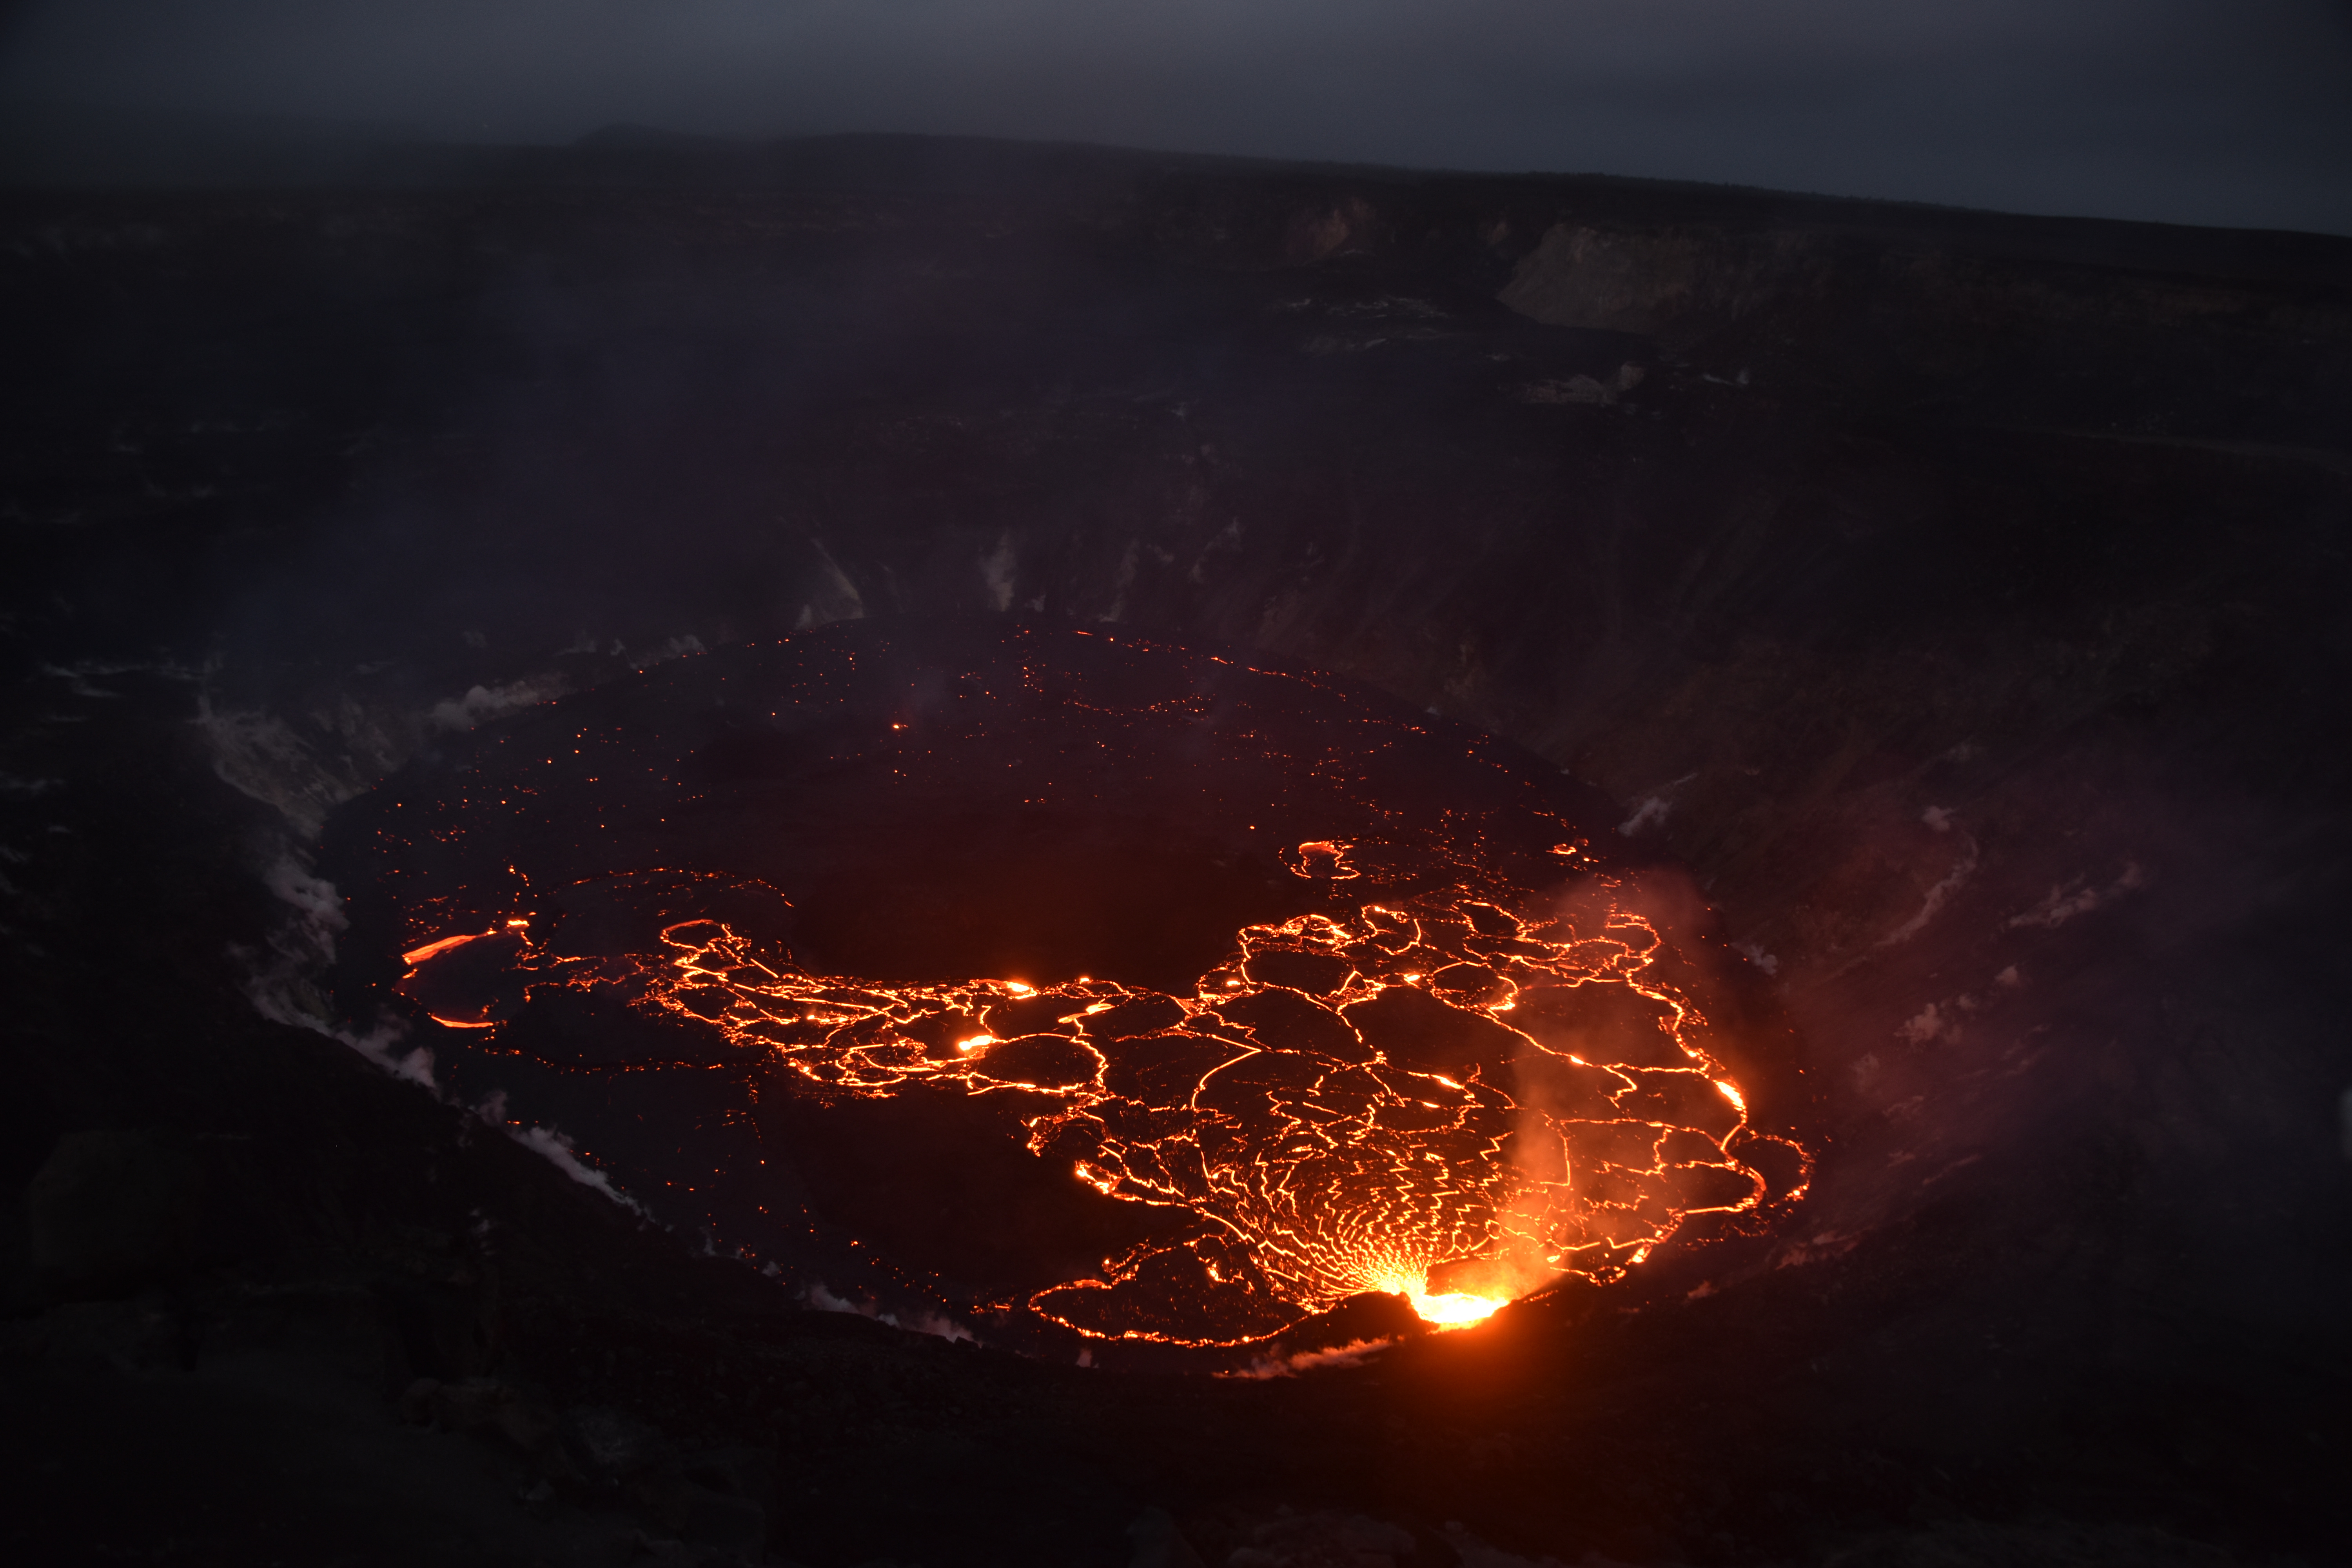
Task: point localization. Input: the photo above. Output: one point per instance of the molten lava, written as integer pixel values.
(1465, 1074)
(1454, 1309)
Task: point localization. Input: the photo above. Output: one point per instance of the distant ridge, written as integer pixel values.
(93, 149)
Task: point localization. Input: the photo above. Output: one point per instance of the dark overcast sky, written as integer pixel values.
(2225, 112)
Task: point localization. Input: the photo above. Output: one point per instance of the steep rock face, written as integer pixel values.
(1676, 282)
(1957, 598)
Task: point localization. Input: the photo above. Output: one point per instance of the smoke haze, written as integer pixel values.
(2182, 110)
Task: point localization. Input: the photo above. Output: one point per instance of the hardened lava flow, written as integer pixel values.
(1433, 1047)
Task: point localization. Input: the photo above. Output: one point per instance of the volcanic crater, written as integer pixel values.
(1094, 711)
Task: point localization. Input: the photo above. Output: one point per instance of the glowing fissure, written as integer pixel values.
(1413, 1100)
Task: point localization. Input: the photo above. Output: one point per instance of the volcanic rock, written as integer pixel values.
(1323, 1538)
(486, 1407)
(1159, 1543)
(706, 1516)
(111, 1211)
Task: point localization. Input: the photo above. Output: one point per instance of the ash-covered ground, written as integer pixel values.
(1956, 599)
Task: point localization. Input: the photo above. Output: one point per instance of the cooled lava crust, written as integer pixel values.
(1070, 987)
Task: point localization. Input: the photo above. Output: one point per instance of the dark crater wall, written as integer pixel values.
(1958, 598)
